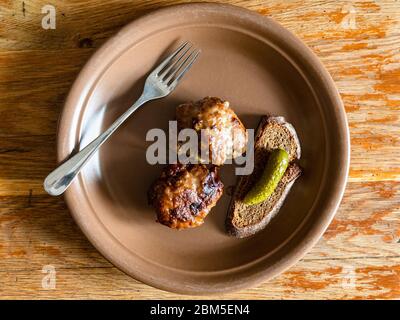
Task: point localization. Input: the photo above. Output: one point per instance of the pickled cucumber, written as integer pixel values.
(273, 172)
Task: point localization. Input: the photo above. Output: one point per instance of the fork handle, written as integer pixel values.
(60, 179)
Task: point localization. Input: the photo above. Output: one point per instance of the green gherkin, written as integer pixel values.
(273, 172)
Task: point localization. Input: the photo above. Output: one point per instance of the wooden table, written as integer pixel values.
(359, 255)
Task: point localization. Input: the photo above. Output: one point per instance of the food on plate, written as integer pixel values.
(184, 194)
(227, 136)
(273, 172)
(245, 218)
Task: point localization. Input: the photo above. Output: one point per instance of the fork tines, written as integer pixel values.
(174, 67)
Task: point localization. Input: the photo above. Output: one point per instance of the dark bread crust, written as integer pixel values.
(291, 174)
(240, 221)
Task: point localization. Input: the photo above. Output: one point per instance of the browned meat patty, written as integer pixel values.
(227, 135)
(185, 194)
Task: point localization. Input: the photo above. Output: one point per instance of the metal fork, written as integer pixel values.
(160, 82)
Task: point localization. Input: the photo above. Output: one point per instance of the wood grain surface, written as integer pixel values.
(359, 255)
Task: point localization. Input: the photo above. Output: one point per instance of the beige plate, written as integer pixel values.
(260, 68)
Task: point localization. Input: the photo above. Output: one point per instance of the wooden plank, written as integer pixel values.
(34, 85)
(353, 279)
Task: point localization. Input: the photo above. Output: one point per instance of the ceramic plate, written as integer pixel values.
(261, 68)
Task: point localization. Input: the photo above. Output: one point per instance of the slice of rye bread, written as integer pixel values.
(272, 133)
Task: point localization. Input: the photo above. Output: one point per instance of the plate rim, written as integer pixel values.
(293, 256)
